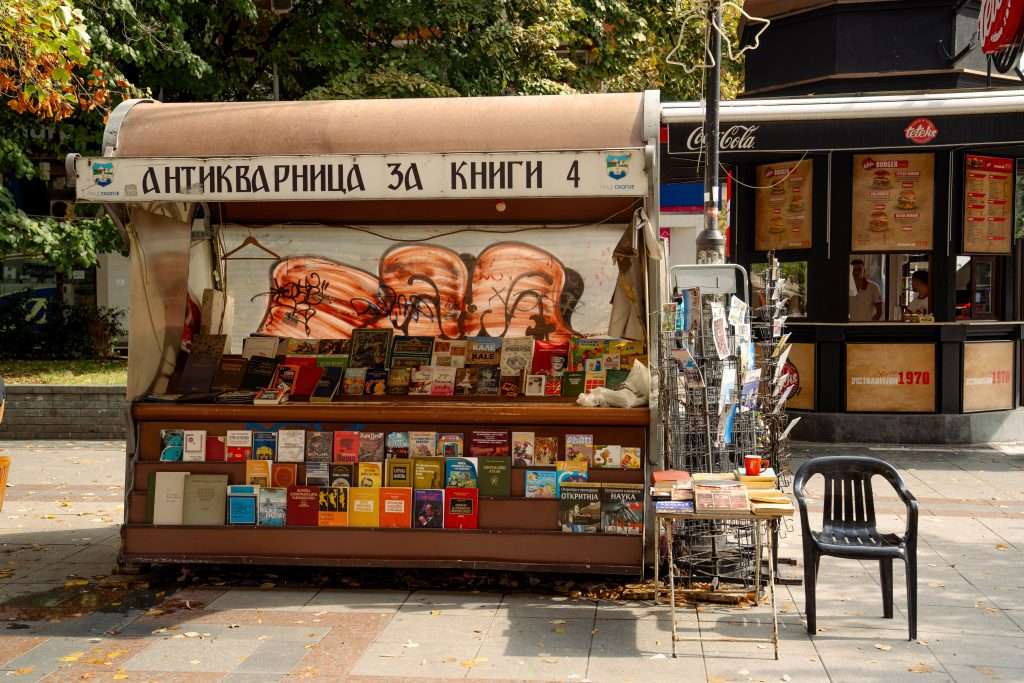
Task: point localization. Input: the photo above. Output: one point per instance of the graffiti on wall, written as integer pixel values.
(508, 289)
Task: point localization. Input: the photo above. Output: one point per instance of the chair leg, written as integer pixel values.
(886, 572)
(911, 560)
(811, 559)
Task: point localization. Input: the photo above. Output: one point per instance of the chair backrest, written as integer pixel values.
(849, 500)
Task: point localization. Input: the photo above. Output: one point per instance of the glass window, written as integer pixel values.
(889, 287)
(976, 288)
(867, 288)
(794, 289)
(909, 286)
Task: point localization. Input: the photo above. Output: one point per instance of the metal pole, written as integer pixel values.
(711, 242)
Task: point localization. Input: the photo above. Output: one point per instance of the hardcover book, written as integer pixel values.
(257, 472)
(535, 385)
(259, 372)
(483, 351)
(396, 507)
(327, 386)
(239, 445)
(541, 484)
(284, 377)
(398, 381)
(168, 497)
(460, 473)
(422, 444)
(466, 379)
(614, 379)
(573, 383)
(622, 509)
(301, 347)
(376, 382)
(568, 472)
(195, 446)
(545, 450)
(371, 475)
(428, 509)
(172, 445)
(550, 358)
(511, 385)
(230, 374)
(488, 380)
(461, 508)
(586, 349)
(264, 445)
(364, 507)
(333, 347)
(370, 348)
(552, 385)
(494, 474)
(291, 445)
(346, 446)
(306, 378)
(628, 351)
(428, 473)
(489, 443)
(303, 505)
(284, 474)
(449, 353)
(333, 506)
(215, 449)
(579, 508)
(579, 447)
(343, 474)
(522, 449)
(516, 355)
(371, 446)
(242, 502)
(631, 457)
(354, 382)
(607, 457)
(593, 380)
(270, 397)
(399, 472)
(443, 382)
(273, 506)
(318, 474)
(421, 381)
(319, 446)
(339, 361)
(449, 445)
(411, 352)
(258, 345)
(203, 364)
(396, 445)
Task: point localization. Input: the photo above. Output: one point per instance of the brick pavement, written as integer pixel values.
(65, 617)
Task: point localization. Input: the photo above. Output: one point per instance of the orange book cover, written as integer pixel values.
(364, 507)
(333, 506)
(396, 507)
(284, 474)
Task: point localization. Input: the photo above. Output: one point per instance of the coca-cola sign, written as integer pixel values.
(921, 131)
(999, 24)
(732, 138)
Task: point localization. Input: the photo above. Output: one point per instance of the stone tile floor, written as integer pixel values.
(64, 617)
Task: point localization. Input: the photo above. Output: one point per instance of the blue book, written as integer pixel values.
(264, 445)
(172, 445)
(673, 506)
(460, 473)
(242, 499)
(273, 506)
(541, 484)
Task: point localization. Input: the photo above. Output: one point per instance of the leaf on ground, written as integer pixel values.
(76, 583)
(1002, 546)
(409, 643)
(470, 663)
(658, 656)
(192, 634)
(155, 612)
(194, 661)
(559, 629)
(920, 668)
(24, 671)
(267, 585)
(883, 648)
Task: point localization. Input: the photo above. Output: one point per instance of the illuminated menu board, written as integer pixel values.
(783, 206)
(988, 204)
(893, 202)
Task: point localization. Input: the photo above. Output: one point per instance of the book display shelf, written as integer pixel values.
(514, 531)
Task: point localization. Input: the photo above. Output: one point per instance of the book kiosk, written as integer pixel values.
(445, 218)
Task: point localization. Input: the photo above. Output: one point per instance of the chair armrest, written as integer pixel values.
(912, 512)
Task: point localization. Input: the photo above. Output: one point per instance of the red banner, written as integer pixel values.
(1000, 23)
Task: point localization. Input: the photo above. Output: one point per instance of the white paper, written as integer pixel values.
(737, 311)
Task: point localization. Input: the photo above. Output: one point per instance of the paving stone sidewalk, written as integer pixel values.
(59, 530)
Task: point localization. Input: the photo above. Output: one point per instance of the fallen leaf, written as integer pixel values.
(267, 585)
(470, 663)
(155, 612)
(193, 661)
(658, 656)
(435, 612)
(192, 634)
(557, 621)
(76, 583)
(920, 668)
(550, 660)
(1002, 546)
(409, 643)
(24, 671)
(560, 630)
(883, 648)
(73, 657)
(234, 625)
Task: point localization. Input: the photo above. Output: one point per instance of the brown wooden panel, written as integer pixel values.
(890, 378)
(988, 376)
(382, 547)
(135, 512)
(519, 513)
(802, 358)
(436, 412)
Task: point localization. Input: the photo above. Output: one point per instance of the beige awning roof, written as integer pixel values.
(469, 124)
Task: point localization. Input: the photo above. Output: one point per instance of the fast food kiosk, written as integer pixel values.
(896, 219)
(509, 216)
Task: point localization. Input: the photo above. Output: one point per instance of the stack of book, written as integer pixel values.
(721, 495)
(672, 491)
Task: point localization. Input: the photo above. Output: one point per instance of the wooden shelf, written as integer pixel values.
(527, 550)
(372, 410)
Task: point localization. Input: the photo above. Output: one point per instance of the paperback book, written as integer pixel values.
(264, 445)
(421, 381)
(607, 457)
(346, 446)
(428, 509)
(291, 445)
(494, 475)
(342, 474)
(535, 385)
(257, 472)
(205, 499)
(273, 506)
(488, 380)
(395, 507)
(511, 385)
(328, 385)
(354, 382)
(516, 355)
(428, 473)
(376, 382)
(443, 381)
(550, 358)
(568, 472)
(318, 474)
(411, 352)
(622, 509)
(319, 447)
(195, 446)
(483, 351)
(398, 472)
(371, 475)
(422, 444)
(396, 445)
(449, 445)
(242, 502)
(364, 507)
(541, 484)
(579, 506)
(172, 445)
(489, 443)
(370, 348)
(461, 508)
(545, 450)
(631, 457)
(371, 446)
(303, 506)
(466, 379)
(332, 508)
(398, 381)
(522, 449)
(284, 474)
(238, 445)
(573, 384)
(579, 447)
(460, 473)
(449, 353)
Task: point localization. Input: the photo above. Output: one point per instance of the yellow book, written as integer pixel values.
(257, 473)
(428, 473)
(364, 507)
(371, 475)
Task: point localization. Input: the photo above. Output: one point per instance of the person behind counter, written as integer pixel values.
(919, 283)
(866, 304)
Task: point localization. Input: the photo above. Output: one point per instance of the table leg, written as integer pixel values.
(657, 558)
(757, 562)
(672, 583)
(771, 590)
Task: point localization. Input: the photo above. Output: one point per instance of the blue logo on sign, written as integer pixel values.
(617, 165)
(103, 172)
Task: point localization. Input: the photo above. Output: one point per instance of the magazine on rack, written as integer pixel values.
(719, 330)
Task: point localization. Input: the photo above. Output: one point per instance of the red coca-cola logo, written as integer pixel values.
(999, 23)
(921, 131)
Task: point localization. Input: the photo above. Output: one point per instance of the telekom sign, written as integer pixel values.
(1000, 23)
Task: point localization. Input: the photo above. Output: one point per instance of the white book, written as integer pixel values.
(522, 449)
(291, 445)
(238, 437)
(195, 446)
(516, 355)
(260, 346)
(169, 497)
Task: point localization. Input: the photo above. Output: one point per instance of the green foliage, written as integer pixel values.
(67, 332)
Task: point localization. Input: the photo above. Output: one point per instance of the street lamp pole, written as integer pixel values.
(710, 241)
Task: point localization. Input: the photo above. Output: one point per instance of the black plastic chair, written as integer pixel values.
(849, 529)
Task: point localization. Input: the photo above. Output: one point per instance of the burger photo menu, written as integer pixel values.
(893, 201)
(988, 205)
(783, 206)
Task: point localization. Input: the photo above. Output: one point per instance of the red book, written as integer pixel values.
(214, 448)
(303, 505)
(484, 443)
(346, 446)
(284, 474)
(461, 508)
(306, 377)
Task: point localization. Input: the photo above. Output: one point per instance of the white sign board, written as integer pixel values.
(618, 172)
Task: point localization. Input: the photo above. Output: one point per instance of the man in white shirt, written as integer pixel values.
(866, 304)
(919, 283)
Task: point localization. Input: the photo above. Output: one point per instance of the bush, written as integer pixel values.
(68, 332)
